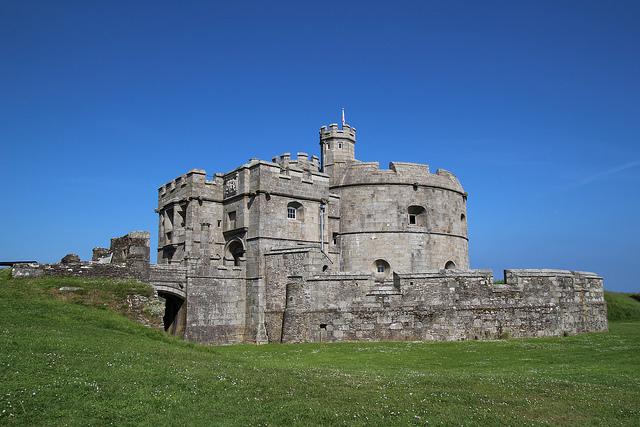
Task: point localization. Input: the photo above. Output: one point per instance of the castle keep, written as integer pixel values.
(333, 248)
(326, 249)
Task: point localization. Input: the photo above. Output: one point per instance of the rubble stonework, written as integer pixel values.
(332, 248)
(130, 262)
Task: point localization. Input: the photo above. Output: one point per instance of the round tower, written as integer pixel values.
(337, 149)
(402, 219)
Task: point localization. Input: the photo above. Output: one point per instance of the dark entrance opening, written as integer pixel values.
(175, 314)
(235, 253)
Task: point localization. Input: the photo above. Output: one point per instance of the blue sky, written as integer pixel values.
(533, 105)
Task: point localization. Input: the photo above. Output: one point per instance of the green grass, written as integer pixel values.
(623, 306)
(67, 363)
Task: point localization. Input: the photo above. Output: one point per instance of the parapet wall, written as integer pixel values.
(399, 173)
(84, 269)
(444, 305)
(302, 162)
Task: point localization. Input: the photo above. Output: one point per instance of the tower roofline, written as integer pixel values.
(333, 131)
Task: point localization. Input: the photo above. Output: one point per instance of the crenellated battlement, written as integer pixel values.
(302, 161)
(193, 177)
(333, 131)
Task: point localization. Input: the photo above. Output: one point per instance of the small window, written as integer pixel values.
(219, 223)
(450, 265)
(417, 215)
(335, 238)
(381, 270)
(295, 210)
(462, 217)
(339, 144)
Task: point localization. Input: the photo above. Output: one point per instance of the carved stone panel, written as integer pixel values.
(231, 186)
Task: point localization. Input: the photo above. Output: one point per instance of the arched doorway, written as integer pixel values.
(175, 313)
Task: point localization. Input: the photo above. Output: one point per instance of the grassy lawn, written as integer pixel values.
(68, 362)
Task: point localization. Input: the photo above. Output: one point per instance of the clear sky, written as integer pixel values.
(533, 105)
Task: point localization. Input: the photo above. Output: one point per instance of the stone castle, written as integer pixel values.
(332, 248)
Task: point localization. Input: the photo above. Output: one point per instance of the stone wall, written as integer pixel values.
(216, 305)
(83, 269)
(444, 305)
(127, 258)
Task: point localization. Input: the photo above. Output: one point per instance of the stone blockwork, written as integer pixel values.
(306, 248)
(444, 305)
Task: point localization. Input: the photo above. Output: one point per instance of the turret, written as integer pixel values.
(337, 149)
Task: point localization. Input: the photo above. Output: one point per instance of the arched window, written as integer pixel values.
(381, 269)
(450, 265)
(463, 217)
(234, 252)
(417, 216)
(295, 210)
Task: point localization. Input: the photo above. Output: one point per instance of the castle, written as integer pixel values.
(332, 248)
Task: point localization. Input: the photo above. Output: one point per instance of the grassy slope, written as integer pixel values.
(622, 306)
(67, 363)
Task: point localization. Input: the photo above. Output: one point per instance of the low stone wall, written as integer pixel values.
(84, 269)
(222, 306)
(444, 305)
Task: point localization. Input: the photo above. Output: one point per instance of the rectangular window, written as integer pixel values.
(380, 268)
(335, 238)
(291, 213)
(339, 144)
(412, 219)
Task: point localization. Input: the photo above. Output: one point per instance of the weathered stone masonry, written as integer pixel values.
(331, 248)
